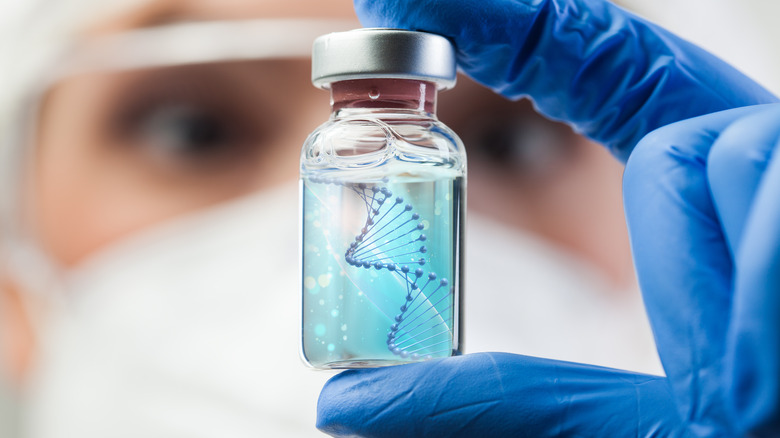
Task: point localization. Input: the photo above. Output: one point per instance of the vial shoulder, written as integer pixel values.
(395, 140)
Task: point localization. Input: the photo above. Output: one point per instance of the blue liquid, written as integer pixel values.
(381, 271)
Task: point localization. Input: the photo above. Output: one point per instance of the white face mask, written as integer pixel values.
(187, 329)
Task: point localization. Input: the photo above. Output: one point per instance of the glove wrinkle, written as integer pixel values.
(467, 415)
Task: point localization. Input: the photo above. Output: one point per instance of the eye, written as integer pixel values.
(185, 130)
(518, 142)
(496, 142)
(197, 119)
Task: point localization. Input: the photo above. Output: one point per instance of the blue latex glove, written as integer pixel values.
(702, 216)
(702, 200)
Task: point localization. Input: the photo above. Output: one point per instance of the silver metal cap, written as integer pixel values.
(382, 53)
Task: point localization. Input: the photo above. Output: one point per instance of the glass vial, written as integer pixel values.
(383, 186)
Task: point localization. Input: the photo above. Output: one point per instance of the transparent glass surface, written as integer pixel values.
(382, 208)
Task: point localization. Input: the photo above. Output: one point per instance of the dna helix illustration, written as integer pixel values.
(392, 240)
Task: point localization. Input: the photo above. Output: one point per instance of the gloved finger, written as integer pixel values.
(753, 349)
(496, 394)
(735, 166)
(683, 263)
(613, 76)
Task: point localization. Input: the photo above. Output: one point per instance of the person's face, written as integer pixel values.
(121, 151)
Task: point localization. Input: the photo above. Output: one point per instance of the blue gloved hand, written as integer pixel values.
(702, 204)
(702, 211)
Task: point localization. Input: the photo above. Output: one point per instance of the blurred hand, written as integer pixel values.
(702, 212)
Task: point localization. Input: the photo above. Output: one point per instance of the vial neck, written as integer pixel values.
(385, 94)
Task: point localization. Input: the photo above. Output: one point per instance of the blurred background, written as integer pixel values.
(148, 224)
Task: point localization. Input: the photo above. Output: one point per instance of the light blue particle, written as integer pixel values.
(319, 329)
(331, 347)
(334, 313)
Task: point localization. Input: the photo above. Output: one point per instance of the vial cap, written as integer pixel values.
(383, 53)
